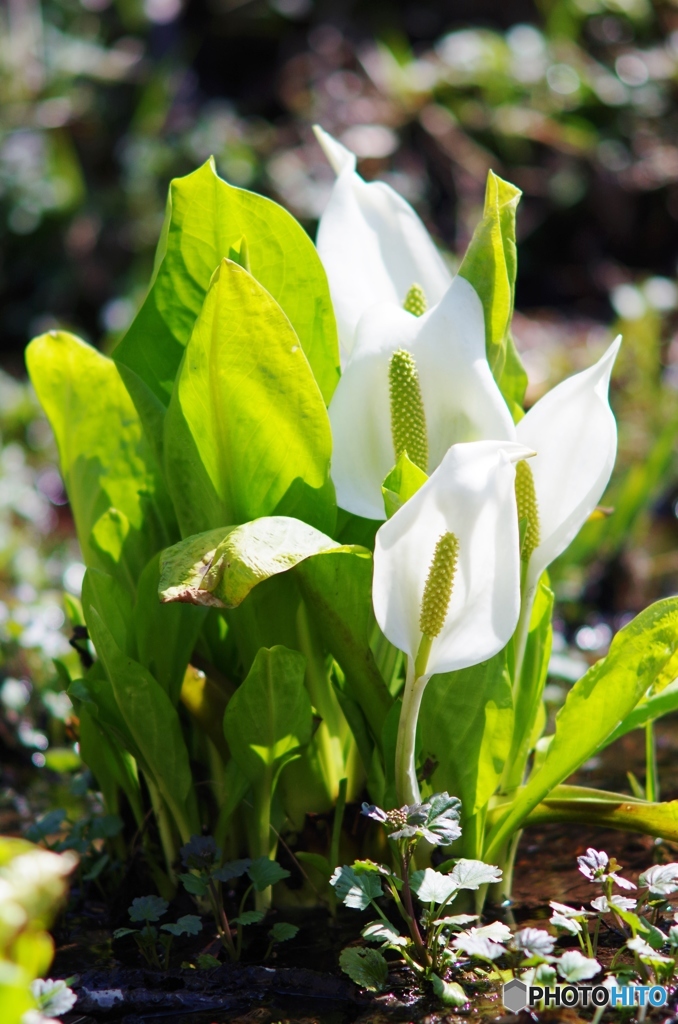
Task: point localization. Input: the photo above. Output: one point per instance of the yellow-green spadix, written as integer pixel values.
(574, 433)
(374, 247)
(470, 496)
(460, 400)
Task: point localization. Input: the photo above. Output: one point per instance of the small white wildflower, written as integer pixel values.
(574, 966)
(597, 867)
(533, 942)
(604, 906)
(53, 997)
(568, 924)
(661, 880)
(472, 944)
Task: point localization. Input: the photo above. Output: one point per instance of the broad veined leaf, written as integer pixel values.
(207, 220)
(265, 872)
(165, 634)
(366, 967)
(153, 723)
(490, 266)
(184, 565)
(269, 718)
(105, 460)
(471, 874)
(246, 556)
(357, 890)
(433, 887)
(337, 589)
(596, 705)
(246, 433)
(475, 707)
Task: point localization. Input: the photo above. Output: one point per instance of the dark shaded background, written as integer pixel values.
(246, 78)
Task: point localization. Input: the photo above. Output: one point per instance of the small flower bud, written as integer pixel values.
(438, 587)
(415, 301)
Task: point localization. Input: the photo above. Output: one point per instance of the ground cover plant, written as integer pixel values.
(317, 526)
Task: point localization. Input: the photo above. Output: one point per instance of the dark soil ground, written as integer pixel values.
(302, 983)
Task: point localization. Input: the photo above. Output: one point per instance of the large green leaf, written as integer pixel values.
(583, 806)
(206, 221)
(465, 724)
(246, 433)
(653, 707)
(112, 766)
(596, 705)
(269, 718)
(223, 576)
(165, 634)
(105, 460)
(528, 692)
(151, 720)
(490, 266)
(337, 589)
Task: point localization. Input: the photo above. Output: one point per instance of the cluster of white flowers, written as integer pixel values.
(394, 295)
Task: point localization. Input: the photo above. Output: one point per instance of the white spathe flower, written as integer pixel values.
(372, 244)
(460, 398)
(574, 433)
(471, 496)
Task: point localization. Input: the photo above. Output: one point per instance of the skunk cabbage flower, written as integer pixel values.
(447, 564)
(374, 247)
(446, 586)
(574, 433)
(415, 384)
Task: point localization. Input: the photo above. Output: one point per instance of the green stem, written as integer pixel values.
(238, 948)
(223, 927)
(263, 794)
(162, 816)
(337, 823)
(411, 917)
(651, 773)
(407, 786)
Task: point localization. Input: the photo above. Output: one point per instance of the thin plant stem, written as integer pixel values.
(651, 773)
(337, 823)
(407, 786)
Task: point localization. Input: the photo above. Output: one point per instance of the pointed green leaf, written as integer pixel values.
(402, 482)
(583, 806)
(475, 706)
(528, 699)
(206, 220)
(246, 432)
(152, 722)
(595, 706)
(105, 460)
(337, 589)
(490, 266)
(269, 717)
(165, 634)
